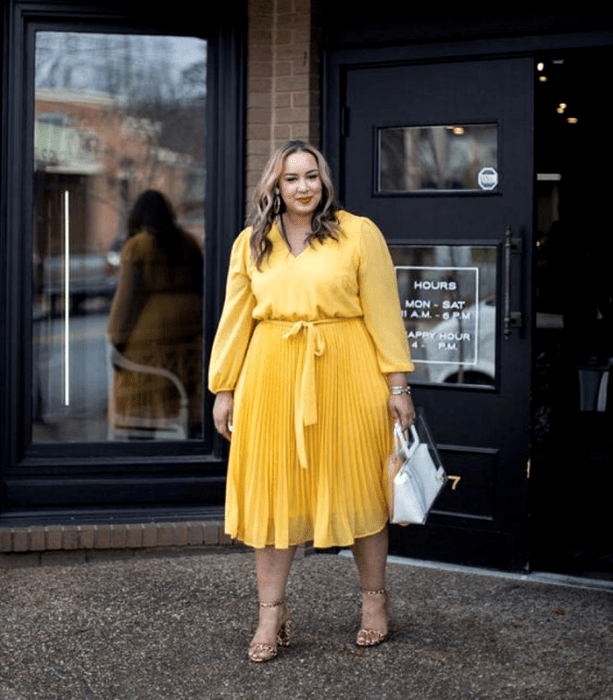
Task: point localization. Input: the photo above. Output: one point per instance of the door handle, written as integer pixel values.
(66, 298)
(512, 319)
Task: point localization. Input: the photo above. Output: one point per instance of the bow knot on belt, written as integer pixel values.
(305, 406)
(305, 394)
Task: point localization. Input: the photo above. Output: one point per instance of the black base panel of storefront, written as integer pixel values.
(106, 516)
(492, 550)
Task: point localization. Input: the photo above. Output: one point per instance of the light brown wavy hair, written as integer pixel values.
(324, 222)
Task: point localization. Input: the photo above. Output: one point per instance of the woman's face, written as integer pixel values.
(300, 184)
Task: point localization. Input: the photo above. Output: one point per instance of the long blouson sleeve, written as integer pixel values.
(378, 293)
(236, 322)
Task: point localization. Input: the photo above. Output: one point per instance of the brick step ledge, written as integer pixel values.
(56, 538)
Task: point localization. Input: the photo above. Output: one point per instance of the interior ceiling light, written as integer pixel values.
(458, 130)
(543, 78)
(572, 120)
(540, 66)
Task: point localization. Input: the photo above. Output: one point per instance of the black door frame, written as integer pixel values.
(94, 482)
(338, 61)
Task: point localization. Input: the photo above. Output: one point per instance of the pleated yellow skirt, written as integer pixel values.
(290, 483)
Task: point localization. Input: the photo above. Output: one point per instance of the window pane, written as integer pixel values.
(115, 116)
(438, 158)
(448, 299)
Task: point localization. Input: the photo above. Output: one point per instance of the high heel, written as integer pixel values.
(260, 651)
(367, 637)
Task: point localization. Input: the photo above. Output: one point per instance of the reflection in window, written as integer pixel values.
(438, 158)
(448, 300)
(115, 116)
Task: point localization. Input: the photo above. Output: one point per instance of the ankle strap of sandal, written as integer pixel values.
(381, 591)
(272, 605)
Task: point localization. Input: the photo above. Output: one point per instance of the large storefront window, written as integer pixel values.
(118, 290)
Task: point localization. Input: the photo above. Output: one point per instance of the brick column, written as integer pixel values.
(282, 78)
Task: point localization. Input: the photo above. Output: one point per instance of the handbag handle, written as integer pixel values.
(402, 441)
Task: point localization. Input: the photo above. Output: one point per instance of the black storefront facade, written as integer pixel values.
(478, 143)
(49, 480)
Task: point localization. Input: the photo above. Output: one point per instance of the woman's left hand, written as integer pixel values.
(402, 410)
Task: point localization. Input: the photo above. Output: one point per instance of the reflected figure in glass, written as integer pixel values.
(155, 328)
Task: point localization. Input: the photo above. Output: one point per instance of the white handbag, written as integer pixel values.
(415, 477)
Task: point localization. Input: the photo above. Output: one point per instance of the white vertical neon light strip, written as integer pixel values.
(66, 299)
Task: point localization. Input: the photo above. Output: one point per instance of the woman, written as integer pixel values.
(156, 315)
(309, 367)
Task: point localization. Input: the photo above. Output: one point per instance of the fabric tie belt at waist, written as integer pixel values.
(305, 397)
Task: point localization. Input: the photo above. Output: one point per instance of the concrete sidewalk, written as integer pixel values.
(177, 627)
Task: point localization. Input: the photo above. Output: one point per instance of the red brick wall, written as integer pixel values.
(282, 78)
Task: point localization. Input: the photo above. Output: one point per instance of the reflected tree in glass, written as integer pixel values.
(436, 158)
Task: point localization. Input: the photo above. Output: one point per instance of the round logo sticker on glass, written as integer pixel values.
(488, 179)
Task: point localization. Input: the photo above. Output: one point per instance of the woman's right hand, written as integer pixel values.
(222, 413)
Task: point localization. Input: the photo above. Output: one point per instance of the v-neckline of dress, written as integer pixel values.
(291, 252)
(286, 244)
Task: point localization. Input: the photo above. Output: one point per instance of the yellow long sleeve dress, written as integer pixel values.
(306, 343)
(156, 319)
